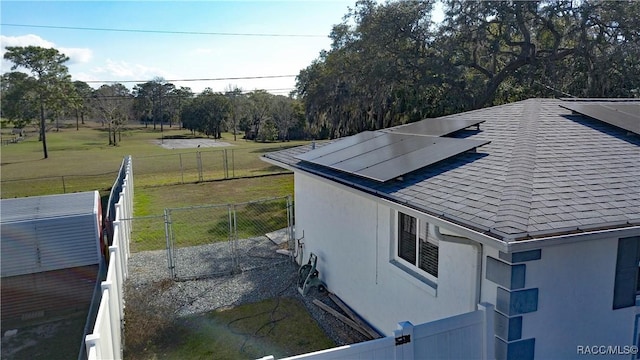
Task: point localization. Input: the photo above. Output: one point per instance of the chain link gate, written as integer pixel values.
(214, 240)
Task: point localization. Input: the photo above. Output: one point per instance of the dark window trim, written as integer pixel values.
(415, 246)
(626, 280)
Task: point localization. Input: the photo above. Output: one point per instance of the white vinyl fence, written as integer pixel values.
(465, 336)
(105, 342)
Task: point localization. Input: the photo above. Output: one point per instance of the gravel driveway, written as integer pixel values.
(264, 274)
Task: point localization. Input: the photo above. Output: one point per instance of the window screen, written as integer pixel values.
(415, 245)
(429, 258)
(407, 237)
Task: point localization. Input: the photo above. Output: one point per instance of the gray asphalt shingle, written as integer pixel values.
(546, 171)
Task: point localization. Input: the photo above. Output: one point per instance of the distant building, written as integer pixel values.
(542, 220)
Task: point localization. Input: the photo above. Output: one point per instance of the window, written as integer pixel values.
(415, 245)
(626, 284)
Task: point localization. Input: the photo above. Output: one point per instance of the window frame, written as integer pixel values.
(422, 234)
(625, 288)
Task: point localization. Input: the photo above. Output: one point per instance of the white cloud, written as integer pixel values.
(76, 55)
(24, 40)
(122, 70)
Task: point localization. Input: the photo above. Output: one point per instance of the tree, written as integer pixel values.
(19, 99)
(153, 101)
(234, 94)
(283, 116)
(143, 105)
(51, 79)
(389, 64)
(179, 98)
(375, 72)
(207, 113)
(259, 109)
(82, 99)
(114, 102)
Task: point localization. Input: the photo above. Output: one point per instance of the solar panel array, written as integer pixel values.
(620, 114)
(388, 154)
(436, 127)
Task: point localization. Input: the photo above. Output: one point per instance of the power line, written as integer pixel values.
(210, 79)
(163, 31)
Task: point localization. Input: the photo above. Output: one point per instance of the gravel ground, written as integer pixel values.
(262, 274)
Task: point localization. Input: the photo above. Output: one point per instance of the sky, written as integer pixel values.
(100, 55)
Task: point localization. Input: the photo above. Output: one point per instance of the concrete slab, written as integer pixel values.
(190, 143)
(278, 236)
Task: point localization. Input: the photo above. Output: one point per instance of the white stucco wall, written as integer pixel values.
(575, 284)
(352, 236)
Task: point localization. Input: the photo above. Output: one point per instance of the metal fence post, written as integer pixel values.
(181, 169)
(64, 187)
(199, 161)
(225, 163)
(233, 164)
(233, 238)
(169, 238)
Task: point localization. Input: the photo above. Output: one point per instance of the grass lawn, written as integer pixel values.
(280, 327)
(82, 160)
(206, 224)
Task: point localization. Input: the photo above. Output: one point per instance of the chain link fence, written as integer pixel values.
(56, 184)
(213, 240)
(155, 170)
(147, 233)
(202, 166)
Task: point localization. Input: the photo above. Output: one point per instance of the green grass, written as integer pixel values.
(280, 327)
(82, 160)
(153, 200)
(194, 224)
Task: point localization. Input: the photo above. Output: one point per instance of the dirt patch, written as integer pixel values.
(190, 143)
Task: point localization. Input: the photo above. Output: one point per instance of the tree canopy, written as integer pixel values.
(49, 84)
(390, 63)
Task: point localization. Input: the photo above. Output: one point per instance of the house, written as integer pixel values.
(532, 206)
(51, 252)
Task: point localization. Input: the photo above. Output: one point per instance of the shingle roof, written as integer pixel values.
(546, 171)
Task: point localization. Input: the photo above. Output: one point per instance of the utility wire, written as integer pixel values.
(211, 79)
(163, 31)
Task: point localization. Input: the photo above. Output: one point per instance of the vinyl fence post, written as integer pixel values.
(115, 256)
(92, 342)
(404, 341)
(488, 331)
(290, 229)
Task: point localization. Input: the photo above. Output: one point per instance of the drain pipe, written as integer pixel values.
(465, 241)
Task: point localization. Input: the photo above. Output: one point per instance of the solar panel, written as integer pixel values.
(343, 143)
(383, 156)
(623, 115)
(435, 127)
